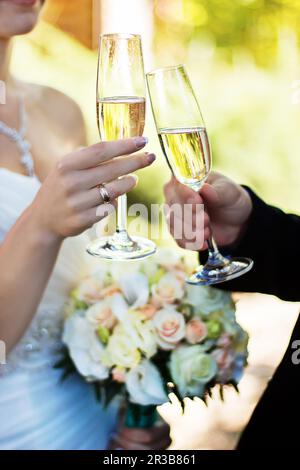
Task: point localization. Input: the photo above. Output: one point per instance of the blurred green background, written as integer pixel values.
(243, 59)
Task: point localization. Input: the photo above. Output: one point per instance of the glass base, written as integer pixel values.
(121, 247)
(225, 270)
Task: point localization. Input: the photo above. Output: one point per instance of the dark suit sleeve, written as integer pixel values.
(272, 240)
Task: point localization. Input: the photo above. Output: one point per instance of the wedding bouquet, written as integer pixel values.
(135, 328)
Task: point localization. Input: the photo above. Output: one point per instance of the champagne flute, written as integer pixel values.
(120, 115)
(184, 141)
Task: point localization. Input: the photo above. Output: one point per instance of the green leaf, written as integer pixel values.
(98, 391)
(186, 309)
(107, 390)
(66, 364)
(161, 361)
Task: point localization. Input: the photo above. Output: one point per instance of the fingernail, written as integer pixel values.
(151, 157)
(140, 141)
(135, 178)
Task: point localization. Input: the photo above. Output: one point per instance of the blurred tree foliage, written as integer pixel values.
(249, 25)
(243, 60)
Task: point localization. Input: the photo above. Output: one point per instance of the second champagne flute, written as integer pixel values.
(120, 115)
(184, 141)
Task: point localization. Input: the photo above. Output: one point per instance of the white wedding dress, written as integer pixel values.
(37, 410)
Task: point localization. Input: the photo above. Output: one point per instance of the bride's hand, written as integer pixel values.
(69, 201)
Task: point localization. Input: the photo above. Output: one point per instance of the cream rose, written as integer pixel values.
(101, 314)
(120, 350)
(173, 262)
(170, 327)
(89, 291)
(167, 290)
(196, 331)
(169, 258)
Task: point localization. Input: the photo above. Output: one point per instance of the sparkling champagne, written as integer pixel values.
(188, 154)
(121, 117)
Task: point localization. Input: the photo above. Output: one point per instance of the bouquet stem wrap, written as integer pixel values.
(140, 416)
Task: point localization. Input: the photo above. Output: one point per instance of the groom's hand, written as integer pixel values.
(227, 208)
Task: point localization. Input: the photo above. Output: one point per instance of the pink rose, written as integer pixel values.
(196, 331)
(225, 361)
(224, 341)
(170, 327)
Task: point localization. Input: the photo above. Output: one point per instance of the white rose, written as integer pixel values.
(191, 369)
(84, 347)
(208, 299)
(120, 350)
(144, 385)
(167, 290)
(170, 327)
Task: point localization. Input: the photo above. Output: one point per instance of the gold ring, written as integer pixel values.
(103, 193)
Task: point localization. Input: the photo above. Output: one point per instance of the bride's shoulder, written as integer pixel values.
(58, 108)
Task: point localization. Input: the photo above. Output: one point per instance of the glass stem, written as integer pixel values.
(215, 259)
(122, 214)
(121, 240)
